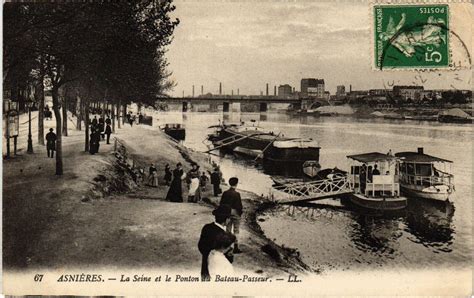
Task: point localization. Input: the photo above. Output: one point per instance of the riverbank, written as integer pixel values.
(73, 221)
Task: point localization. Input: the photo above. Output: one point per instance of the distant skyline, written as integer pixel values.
(246, 45)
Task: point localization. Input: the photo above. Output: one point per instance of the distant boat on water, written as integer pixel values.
(455, 115)
(174, 130)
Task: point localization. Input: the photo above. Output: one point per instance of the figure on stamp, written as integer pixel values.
(431, 33)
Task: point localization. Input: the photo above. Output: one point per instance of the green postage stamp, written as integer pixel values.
(411, 36)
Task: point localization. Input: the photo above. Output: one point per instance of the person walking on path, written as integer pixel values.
(108, 132)
(231, 198)
(175, 193)
(212, 237)
(94, 121)
(102, 127)
(51, 142)
(216, 181)
(94, 143)
(203, 181)
(153, 176)
(168, 174)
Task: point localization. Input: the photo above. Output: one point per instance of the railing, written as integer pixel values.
(128, 161)
(444, 179)
(380, 185)
(300, 191)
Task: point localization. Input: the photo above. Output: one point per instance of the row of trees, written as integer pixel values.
(86, 52)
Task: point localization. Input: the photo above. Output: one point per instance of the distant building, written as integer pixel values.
(408, 92)
(327, 95)
(341, 91)
(285, 91)
(379, 92)
(312, 87)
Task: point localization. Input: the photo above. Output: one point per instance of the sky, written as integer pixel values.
(246, 44)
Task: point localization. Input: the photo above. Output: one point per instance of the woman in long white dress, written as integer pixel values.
(193, 188)
(217, 262)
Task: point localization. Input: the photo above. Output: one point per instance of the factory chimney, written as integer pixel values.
(350, 88)
(275, 90)
(193, 90)
(220, 88)
(202, 90)
(232, 92)
(266, 92)
(238, 91)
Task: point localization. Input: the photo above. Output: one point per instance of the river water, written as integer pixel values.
(332, 235)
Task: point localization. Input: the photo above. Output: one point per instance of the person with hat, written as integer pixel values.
(231, 198)
(51, 142)
(214, 236)
(175, 192)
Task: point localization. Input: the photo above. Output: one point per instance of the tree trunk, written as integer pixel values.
(57, 115)
(79, 113)
(39, 96)
(64, 110)
(118, 114)
(112, 115)
(86, 106)
(124, 113)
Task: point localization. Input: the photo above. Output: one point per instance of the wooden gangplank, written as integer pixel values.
(312, 190)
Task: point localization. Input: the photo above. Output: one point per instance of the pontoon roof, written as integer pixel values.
(419, 157)
(371, 157)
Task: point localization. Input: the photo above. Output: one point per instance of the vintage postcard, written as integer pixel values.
(283, 148)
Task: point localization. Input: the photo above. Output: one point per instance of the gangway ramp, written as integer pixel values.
(312, 190)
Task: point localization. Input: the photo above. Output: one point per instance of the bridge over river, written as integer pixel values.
(238, 103)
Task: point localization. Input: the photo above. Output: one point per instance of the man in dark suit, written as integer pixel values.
(51, 142)
(216, 181)
(210, 235)
(232, 199)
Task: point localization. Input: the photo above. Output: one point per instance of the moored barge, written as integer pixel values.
(268, 145)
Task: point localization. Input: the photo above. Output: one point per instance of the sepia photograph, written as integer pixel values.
(233, 147)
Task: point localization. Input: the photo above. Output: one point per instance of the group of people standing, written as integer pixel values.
(137, 119)
(99, 129)
(195, 179)
(219, 240)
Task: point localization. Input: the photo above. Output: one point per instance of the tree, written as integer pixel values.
(92, 48)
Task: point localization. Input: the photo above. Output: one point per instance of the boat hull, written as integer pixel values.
(177, 134)
(247, 152)
(379, 203)
(299, 155)
(425, 192)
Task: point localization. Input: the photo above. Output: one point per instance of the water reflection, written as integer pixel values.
(431, 223)
(379, 233)
(375, 234)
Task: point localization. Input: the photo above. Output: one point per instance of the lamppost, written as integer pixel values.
(30, 141)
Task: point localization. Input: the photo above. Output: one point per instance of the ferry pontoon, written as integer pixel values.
(421, 176)
(374, 180)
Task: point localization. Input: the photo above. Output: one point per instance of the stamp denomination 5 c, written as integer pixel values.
(411, 36)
